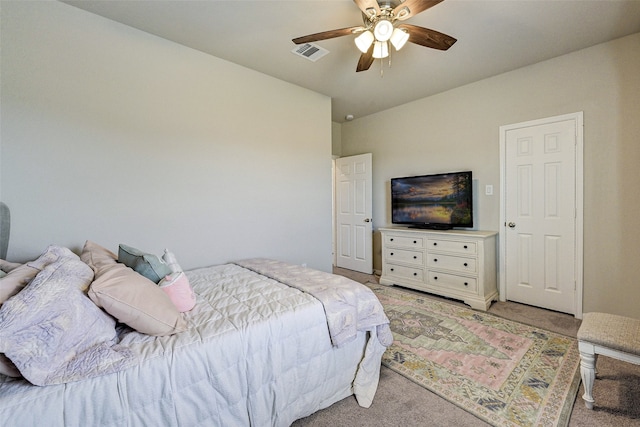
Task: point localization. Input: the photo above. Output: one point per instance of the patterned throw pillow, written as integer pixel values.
(149, 265)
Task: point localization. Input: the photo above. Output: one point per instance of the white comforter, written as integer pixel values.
(257, 353)
(349, 307)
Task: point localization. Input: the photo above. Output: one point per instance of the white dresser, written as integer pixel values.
(453, 263)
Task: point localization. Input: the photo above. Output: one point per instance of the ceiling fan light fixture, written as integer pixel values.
(364, 40)
(383, 30)
(399, 38)
(380, 50)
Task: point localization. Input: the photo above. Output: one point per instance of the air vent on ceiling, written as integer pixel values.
(311, 51)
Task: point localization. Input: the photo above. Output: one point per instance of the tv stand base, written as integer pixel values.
(432, 227)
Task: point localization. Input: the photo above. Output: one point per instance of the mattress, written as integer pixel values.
(257, 353)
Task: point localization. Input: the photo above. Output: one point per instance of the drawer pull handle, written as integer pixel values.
(415, 257)
(466, 283)
(435, 244)
(415, 274)
(465, 246)
(465, 264)
(391, 269)
(435, 277)
(415, 241)
(435, 260)
(391, 239)
(391, 254)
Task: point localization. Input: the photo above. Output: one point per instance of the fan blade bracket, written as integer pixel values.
(402, 14)
(370, 8)
(409, 8)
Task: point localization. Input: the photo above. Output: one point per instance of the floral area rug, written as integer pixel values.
(504, 372)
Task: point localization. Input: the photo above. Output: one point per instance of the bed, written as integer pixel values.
(265, 344)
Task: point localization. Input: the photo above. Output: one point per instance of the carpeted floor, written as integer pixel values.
(401, 402)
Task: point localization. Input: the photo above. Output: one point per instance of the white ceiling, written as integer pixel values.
(494, 36)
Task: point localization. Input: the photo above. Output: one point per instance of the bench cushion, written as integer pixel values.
(611, 331)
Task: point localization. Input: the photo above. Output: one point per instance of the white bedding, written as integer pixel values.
(257, 353)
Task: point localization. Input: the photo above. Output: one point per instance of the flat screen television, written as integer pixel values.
(438, 201)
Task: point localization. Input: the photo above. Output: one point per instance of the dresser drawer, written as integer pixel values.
(467, 284)
(404, 256)
(403, 272)
(451, 262)
(456, 246)
(404, 241)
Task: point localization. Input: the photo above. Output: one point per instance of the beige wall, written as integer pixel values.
(114, 135)
(459, 130)
(336, 139)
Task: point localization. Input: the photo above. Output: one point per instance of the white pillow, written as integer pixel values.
(7, 266)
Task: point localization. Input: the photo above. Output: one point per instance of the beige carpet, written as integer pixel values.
(401, 402)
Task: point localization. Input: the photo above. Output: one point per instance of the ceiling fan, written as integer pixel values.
(383, 25)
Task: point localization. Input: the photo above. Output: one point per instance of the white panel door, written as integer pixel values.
(540, 214)
(354, 227)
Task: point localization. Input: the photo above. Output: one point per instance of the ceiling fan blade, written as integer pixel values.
(411, 8)
(428, 38)
(368, 7)
(365, 61)
(327, 35)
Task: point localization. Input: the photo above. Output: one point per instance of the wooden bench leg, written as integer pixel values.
(596, 337)
(588, 373)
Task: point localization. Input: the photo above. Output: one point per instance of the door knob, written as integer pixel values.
(512, 225)
(367, 220)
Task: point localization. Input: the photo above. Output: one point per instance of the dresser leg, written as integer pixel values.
(478, 305)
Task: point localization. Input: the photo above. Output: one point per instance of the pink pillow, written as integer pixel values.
(177, 287)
